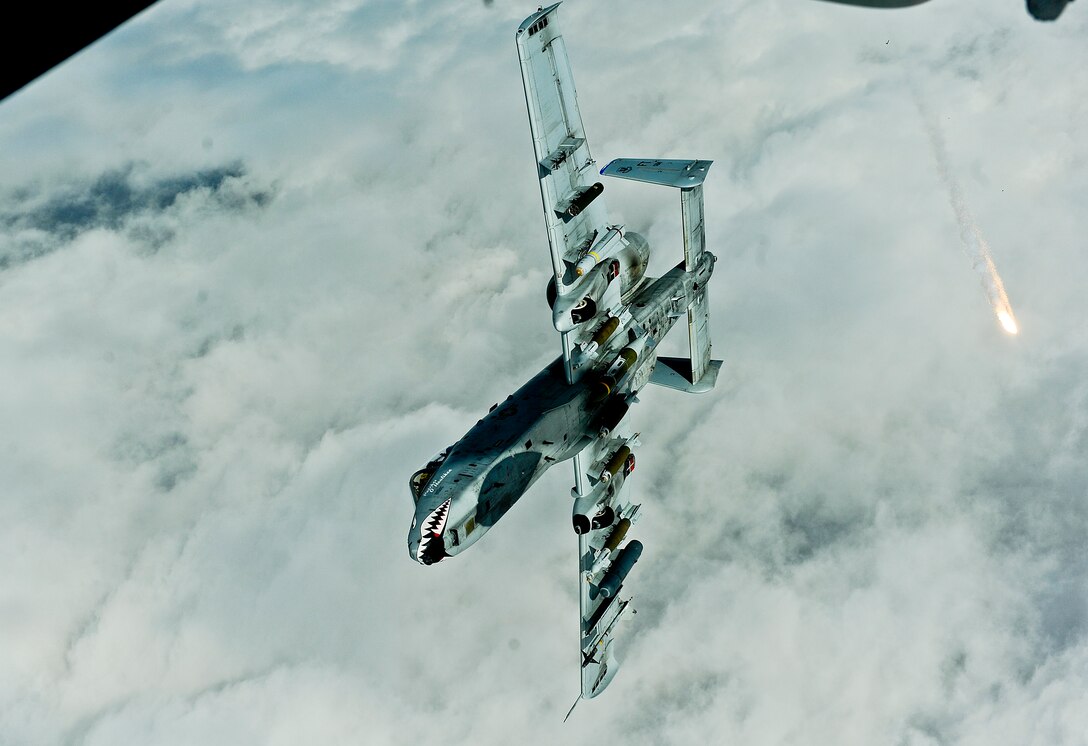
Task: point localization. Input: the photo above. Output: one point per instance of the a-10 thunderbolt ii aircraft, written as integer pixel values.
(611, 317)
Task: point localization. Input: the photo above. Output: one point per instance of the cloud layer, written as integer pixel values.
(39, 220)
(258, 267)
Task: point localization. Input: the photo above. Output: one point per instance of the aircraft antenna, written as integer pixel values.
(572, 707)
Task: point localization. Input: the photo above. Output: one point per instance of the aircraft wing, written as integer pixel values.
(570, 190)
(603, 559)
(577, 223)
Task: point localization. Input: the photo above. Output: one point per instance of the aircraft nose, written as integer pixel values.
(433, 551)
(426, 544)
(427, 550)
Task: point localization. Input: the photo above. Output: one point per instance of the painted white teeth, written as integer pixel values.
(433, 526)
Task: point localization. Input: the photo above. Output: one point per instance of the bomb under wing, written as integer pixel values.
(610, 317)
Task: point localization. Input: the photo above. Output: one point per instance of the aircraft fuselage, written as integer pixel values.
(467, 490)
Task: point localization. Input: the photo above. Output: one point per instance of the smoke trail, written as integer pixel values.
(974, 244)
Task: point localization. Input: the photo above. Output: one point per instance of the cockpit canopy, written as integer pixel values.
(418, 481)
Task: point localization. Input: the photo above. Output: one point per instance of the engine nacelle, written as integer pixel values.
(633, 260)
(581, 299)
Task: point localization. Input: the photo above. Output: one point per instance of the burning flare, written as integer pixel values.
(974, 245)
(1007, 321)
(991, 281)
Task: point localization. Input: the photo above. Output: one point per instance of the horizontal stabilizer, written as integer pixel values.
(675, 173)
(675, 373)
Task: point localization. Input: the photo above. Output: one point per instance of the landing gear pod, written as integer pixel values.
(583, 311)
(584, 508)
(605, 518)
(578, 306)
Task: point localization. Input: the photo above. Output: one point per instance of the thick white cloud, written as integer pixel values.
(872, 532)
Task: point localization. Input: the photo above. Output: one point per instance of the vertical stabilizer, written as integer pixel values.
(701, 372)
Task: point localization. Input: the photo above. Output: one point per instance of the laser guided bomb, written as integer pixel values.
(617, 371)
(611, 318)
(602, 335)
(621, 459)
(615, 538)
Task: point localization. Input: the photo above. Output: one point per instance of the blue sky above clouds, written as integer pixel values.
(259, 262)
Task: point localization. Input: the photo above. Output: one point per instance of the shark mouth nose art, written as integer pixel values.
(431, 547)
